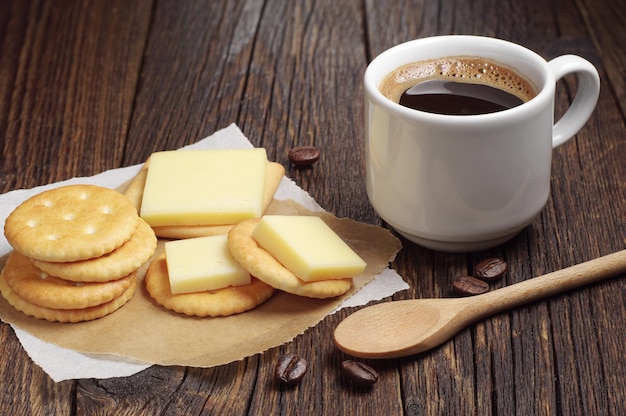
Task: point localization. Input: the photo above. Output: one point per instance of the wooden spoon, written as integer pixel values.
(401, 328)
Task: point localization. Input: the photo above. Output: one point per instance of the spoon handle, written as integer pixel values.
(550, 284)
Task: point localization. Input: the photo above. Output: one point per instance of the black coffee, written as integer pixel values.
(457, 86)
(457, 98)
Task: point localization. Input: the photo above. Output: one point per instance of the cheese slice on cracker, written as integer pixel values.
(204, 187)
(204, 263)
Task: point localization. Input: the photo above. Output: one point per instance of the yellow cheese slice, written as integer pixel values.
(204, 263)
(307, 247)
(204, 187)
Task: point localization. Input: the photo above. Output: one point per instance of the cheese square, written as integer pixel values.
(203, 263)
(204, 187)
(307, 247)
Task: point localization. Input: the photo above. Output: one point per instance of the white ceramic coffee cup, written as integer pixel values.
(471, 182)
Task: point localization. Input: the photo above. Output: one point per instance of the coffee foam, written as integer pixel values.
(457, 69)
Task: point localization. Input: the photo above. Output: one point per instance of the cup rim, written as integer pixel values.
(372, 77)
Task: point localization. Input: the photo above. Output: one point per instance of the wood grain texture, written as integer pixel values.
(87, 86)
(71, 76)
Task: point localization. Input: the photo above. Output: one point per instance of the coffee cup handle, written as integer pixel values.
(586, 96)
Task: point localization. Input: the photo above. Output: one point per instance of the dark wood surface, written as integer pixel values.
(87, 86)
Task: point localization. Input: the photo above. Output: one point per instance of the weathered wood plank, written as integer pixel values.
(304, 88)
(26, 388)
(607, 28)
(193, 74)
(71, 73)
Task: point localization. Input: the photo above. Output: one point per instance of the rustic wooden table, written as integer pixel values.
(87, 86)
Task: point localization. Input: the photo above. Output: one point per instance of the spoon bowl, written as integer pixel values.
(407, 327)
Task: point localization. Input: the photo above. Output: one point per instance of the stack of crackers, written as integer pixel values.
(77, 250)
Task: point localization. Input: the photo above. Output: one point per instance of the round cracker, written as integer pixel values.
(182, 232)
(71, 223)
(265, 267)
(221, 302)
(65, 315)
(111, 266)
(39, 288)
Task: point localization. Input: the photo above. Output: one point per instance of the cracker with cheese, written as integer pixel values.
(208, 303)
(308, 247)
(203, 263)
(263, 265)
(202, 193)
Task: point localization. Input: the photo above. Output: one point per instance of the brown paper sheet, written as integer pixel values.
(144, 331)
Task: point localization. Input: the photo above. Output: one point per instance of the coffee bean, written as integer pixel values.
(290, 369)
(490, 270)
(360, 373)
(304, 155)
(469, 286)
